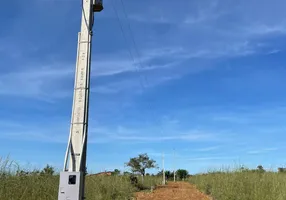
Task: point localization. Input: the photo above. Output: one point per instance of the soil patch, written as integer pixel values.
(177, 190)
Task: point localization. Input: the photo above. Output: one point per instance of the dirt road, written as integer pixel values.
(178, 190)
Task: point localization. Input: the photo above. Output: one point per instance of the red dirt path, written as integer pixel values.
(176, 191)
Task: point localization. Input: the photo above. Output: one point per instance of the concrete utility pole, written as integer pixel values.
(174, 172)
(163, 166)
(72, 178)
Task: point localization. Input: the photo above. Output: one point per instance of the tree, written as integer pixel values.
(116, 172)
(260, 168)
(182, 174)
(281, 170)
(168, 174)
(27, 173)
(141, 163)
(126, 173)
(160, 173)
(48, 170)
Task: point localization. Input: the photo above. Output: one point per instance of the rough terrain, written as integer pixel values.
(178, 190)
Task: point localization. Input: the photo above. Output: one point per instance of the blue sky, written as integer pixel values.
(210, 82)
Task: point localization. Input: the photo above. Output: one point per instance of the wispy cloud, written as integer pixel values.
(23, 130)
(59, 131)
(48, 81)
(168, 46)
(208, 149)
(35, 134)
(263, 151)
(184, 137)
(143, 135)
(123, 62)
(210, 21)
(204, 33)
(38, 81)
(264, 29)
(249, 115)
(212, 158)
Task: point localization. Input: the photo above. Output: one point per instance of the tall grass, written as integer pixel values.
(109, 187)
(23, 187)
(116, 187)
(34, 186)
(242, 185)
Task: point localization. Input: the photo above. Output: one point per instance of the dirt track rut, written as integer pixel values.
(178, 191)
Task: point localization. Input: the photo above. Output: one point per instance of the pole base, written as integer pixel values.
(70, 186)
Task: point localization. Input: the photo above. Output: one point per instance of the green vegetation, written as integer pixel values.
(243, 184)
(141, 163)
(240, 184)
(22, 184)
(115, 187)
(182, 174)
(16, 184)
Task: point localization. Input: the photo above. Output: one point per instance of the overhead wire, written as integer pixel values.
(129, 50)
(138, 69)
(138, 55)
(131, 33)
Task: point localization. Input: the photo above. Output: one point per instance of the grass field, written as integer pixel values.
(37, 187)
(242, 185)
(45, 187)
(223, 185)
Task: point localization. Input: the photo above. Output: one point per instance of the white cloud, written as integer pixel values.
(207, 149)
(51, 131)
(184, 137)
(214, 29)
(263, 151)
(212, 158)
(263, 29)
(199, 30)
(57, 132)
(122, 62)
(48, 81)
(144, 135)
(30, 133)
(37, 81)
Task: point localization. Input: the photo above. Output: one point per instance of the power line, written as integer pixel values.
(126, 41)
(136, 50)
(131, 32)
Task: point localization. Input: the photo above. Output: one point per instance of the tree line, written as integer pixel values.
(138, 166)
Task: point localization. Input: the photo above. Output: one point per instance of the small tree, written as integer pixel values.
(182, 174)
(141, 163)
(48, 170)
(126, 173)
(168, 174)
(116, 172)
(260, 168)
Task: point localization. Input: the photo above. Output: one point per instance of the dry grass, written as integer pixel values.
(242, 185)
(45, 187)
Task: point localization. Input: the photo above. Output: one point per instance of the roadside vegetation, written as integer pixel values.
(17, 183)
(243, 184)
